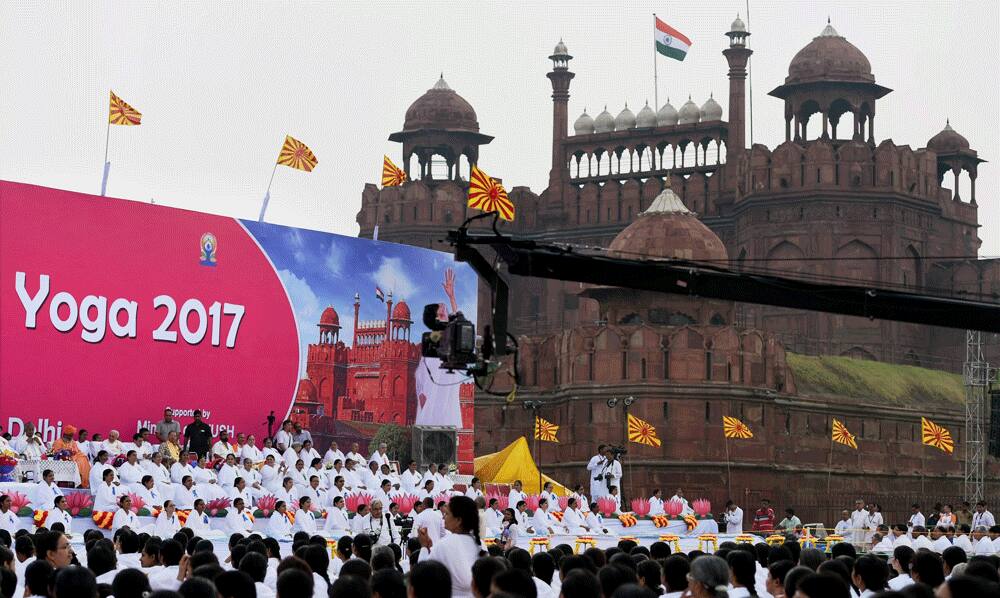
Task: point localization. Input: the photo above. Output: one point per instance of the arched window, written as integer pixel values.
(717, 320)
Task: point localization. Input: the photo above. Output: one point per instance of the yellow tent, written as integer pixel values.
(514, 463)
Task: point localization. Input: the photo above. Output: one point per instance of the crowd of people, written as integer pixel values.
(459, 563)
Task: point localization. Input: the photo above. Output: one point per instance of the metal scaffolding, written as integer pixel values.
(977, 377)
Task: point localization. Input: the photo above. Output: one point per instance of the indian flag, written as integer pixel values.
(670, 42)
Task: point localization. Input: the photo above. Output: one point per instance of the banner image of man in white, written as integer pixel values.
(437, 389)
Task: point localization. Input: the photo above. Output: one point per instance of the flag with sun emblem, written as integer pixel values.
(842, 436)
(545, 430)
(936, 436)
(488, 195)
(641, 432)
(734, 428)
(297, 155)
(392, 175)
(120, 113)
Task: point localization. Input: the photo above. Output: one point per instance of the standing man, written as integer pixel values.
(166, 425)
(283, 439)
(198, 436)
(916, 517)
(982, 517)
(859, 521)
(594, 468)
(734, 518)
(612, 472)
(763, 518)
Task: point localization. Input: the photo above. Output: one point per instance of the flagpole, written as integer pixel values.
(729, 473)
(107, 165)
(267, 194)
(656, 84)
(829, 464)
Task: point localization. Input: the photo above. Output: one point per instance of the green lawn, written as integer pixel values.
(901, 385)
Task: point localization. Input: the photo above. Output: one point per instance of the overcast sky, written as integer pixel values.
(221, 83)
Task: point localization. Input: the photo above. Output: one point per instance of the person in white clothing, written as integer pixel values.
(734, 518)
(962, 539)
(113, 444)
(679, 496)
(283, 439)
(167, 523)
(250, 450)
(291, 455)
(442, 481)
(198, 519)
(8, 518)
(147, 491)
(581, 498)
(859, 521)
(410, 480)
(548, 492)
(337, 525)
(459, 550)
(304, 519)
(238, 519)
(360, 521)
(228, 472)
(307, 453)
(381, 526)
(428, 490)
(916, 517)
(429, 520)
(881, 544)
(900, 562)
(946, 518)
(46, 492)
(541, 521)
(573, 521)
(920, 539)
(844, 524)
(240, 491)
(612, 472)
(613, 493)
(355, 454)
(130, 472)
(656, 503)
(124, 517)
(382, 493)
(222, 447)
(108, 494)
(494, 518)
(272, 474)
(143, 448)
(332, 454)
(186, 494)
(511, 530)
(475, 489)
(874, 519)
(181, 468)
(594, 520)
(939, 541)
(97, 471)
(516, 495)
(982, 517)
(316, 493)
(278, 525)
(900, 536)
(381, 455)
(60, 514)
(594, 468)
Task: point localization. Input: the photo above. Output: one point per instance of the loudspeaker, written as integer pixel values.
(993, 428)
(435, 444)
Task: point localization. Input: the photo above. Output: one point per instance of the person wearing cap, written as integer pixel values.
(66, 442)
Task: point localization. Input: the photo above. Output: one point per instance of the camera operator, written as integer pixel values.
(594, 469)
(612, 471)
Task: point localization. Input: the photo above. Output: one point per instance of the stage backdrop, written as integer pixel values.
(113, 309)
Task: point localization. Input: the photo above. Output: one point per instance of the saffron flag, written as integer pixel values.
(670, 42)
(734, 428)
(120, 113)
(296, 154)
(488, 195)
(936, 436)
(641, 432)
(392, 175)
(545, 430)
(842, 436)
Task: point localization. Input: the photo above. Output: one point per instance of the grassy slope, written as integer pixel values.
(874, 381)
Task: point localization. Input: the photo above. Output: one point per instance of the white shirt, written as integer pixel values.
(114, 448)
(221, 449)
(356, 457)
(985, 518)
(916, 519)
(164, 579)
(45, 496)
(124, 518)
(379, 458)
(9, 522)
(179, 470)
(842, 526)
(199, 524)
(922, 542)
(900, 581)
(332, 455)
(131, 474)
(238, 522)
(305, 522)
(185, 498)
(884, 545)
(432, 521)
(166, 526)
(150, 496)
(595, 522)
(57, 516)
(573, 521)
(307, 456)
(144, 450)
(902, 540)
(107, 497)
(336, 521)
(541, 521)
(614, 469)
(227, 475)
(963, 542)
(290, 457)
(594, 467)
(941, 544)
(734, 521)
(282, 440)
(514, 497)
(494, 521)
(984, 546)
(859, 522)
(457, 552)
(249, 451)
(410, 481)
(473, 493)
(655, 506)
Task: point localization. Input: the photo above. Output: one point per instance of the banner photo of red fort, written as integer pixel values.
(111, 310)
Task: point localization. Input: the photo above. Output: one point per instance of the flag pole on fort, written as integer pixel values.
(656, 84)
(293, 154)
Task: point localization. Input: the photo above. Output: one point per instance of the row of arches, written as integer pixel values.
(644, 158)
(617, 203)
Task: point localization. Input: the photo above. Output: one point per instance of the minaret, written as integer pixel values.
(737, 54)
(388, 314)
(357, 309)
(560, 77)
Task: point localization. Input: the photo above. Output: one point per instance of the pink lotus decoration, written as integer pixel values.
(406, 502)
(79, 501)
(218, 504)
(18, 501)
(441, 498)
(266, 504)
(673, 508)
(702, 507)
(607, 506)
(564, 503)
(356, 500)
(137, 502)
(640, 506)
(532, 501)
